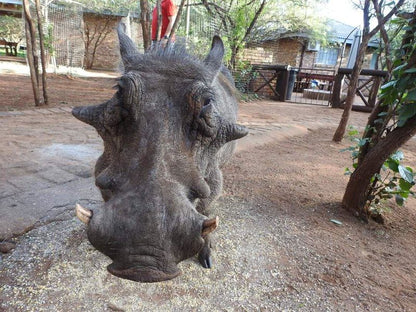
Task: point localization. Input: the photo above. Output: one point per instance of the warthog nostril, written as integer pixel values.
(104, 181)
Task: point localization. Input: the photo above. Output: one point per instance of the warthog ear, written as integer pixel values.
(128, 49)
(215, 55)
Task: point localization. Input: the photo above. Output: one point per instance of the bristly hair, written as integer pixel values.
(173, 60)
(176, 60)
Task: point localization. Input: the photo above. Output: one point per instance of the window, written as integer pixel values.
(327, 56)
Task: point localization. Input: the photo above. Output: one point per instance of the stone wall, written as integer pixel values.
(283, 52)
(107, 54)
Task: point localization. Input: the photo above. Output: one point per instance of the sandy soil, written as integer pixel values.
(276, 248)
(77, 87)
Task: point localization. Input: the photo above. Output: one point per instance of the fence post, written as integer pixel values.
(336, 93)
(282, 83)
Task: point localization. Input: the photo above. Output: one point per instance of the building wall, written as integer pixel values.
(283, 52)
(308, 59)
(107, 55)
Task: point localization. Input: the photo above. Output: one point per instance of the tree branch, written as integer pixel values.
(176, 23)
(254, 20)
(385, 19)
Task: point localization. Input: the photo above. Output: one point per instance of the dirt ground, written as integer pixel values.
(276, 247)
(63, 90)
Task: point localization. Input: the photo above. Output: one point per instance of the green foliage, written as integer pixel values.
(399, 94)
(19, 52)
(390, 125)
(354, 136)
(234, 21)
(48, 40)
(243, 75)
(394, 179)
(11, 28)
(299, 16)
(199, 45)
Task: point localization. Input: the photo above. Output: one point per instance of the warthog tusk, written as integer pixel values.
(209, 225)
(83, 214)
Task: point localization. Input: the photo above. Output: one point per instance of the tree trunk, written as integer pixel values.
(234, 53)
(372, 155)
(302, 53)
(355, 196)
(372, 97)
(42, 52)
(177, 20)
(159, 20)
(349, 101)
(146, 24)
(373, 131)
(31, 54)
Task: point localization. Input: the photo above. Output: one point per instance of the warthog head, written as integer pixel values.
(165, 132)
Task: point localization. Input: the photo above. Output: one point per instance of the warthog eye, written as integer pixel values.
(192, 195)
(207, 101)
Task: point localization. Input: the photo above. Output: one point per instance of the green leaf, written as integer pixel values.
(363, 142)
(405, 113)
(391, 83)
(411, 95)
(397, 61)
(402, 84)
(393, 165)
(379, 121)
(377, 176)
(410, 71)
(406, 174)
(353, 132)
(399, 67)
(399, 200)
(348, 149)
(397, 156)
(404, 185)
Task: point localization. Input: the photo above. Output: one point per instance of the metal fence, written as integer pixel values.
(67, 38)
(311, 86)
(283, 83)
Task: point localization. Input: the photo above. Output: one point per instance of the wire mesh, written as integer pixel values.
(67, 41)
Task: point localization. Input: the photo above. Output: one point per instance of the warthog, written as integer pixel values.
(167, 131)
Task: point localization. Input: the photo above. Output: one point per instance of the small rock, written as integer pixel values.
(6, 247)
